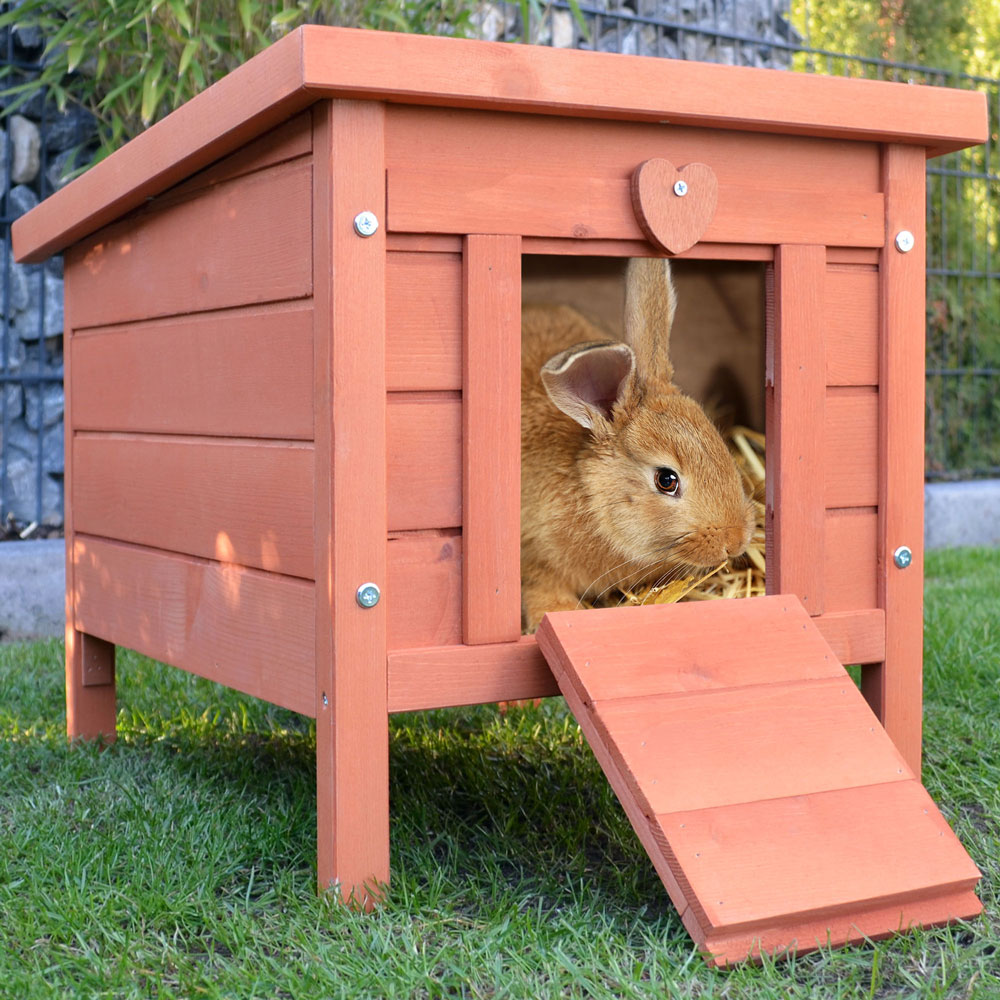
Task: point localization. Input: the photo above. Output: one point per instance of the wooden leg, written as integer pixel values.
(90, 687)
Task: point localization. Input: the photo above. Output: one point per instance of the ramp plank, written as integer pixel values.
(773, 805)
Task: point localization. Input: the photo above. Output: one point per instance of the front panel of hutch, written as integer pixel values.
(269, 405)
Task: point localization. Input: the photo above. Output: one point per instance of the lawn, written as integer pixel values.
(179, 863)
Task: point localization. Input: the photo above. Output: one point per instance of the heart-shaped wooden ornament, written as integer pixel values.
(674, 206)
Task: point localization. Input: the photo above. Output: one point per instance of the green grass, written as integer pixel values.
(179, 863)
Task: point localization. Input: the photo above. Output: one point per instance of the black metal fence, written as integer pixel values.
(963, 275)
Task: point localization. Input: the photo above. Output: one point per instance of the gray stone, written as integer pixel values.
(20, 199)
(73, 127)
(21, 492)
(961, 514)
(32, 589)
(44, 292)
(28, 38)
(14, 283)
(26, 147)
(26, 440)
(43, 404)
(11, 404)
(60, 169)
(16, 353)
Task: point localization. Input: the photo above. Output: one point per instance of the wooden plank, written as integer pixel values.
(491, 440)
(850, 447)
(443, 199)
(809, 856)
(735, 792)
(248, 630)
(424, 455)
(242, 502)
(636, 248)
(288, 141)
(422, 675)
(423, 321)
(435, 677)
(850, 554)
(697, 751)
(851, 325)
(854, 636)
(320, 61)
(634, 652)
(352, 737)
(795, 399)
(240, 373)
(200, 254)
(424, 599)
(896, 690)
(91, 705)
(856, 926)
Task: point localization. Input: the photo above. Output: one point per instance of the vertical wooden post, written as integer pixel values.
(491, 440)
(352, 765)
(894, 688)
(796, 399)
(91, 707)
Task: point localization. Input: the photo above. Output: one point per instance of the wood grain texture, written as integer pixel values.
(850, 555)
(242, 502)
(772, 808)
(352, 738)
(672, 205)
(424, 460)
(89, 664)
(245, 373)
(250, 631)
(850, 447)
(795, 407)
(422, 675)
(691, 752)
(446, 199)
(436, 677)
(199, 254)
(491, 440)
(334, 62)
(896, 691)
(424, 598)
(851, 325)
(423, 320)
(640, 651)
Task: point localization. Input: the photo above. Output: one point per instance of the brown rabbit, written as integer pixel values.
(631, 482)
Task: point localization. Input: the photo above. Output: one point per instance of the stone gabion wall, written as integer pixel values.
(733, 32)
(39, 147)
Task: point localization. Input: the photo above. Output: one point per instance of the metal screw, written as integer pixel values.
(905, 241)
(365, 224)
(902, 557)
(680, 188)
(368, 595)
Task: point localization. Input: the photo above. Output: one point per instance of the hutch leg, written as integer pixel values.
(90, 687)
(895, 688)
(352, 720)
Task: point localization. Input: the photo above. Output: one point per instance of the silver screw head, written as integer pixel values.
(680, 188)
(365, 224)
(902, 557)
(905, 241)
(368, 595)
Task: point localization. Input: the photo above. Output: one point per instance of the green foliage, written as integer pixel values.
(131, 62)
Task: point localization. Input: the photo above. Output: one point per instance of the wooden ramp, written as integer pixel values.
(776, 810)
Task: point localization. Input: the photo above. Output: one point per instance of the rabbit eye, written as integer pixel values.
(667, 481)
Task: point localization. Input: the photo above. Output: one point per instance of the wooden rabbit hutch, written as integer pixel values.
(292, 426)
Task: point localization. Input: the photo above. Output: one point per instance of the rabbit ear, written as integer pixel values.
(650, 304)
(585, 381)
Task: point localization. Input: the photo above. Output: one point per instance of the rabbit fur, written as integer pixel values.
(603, 430)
